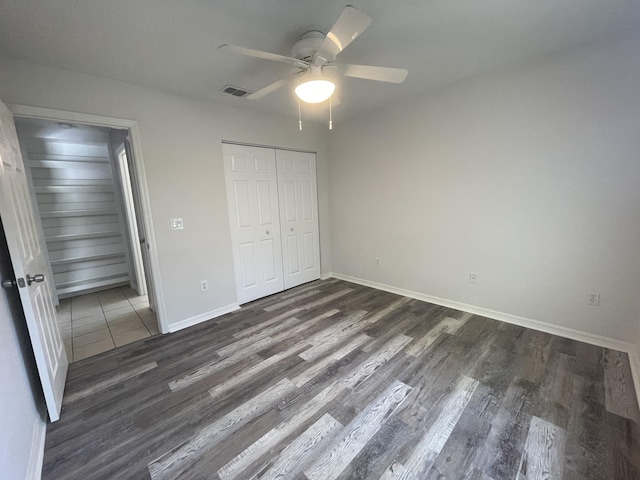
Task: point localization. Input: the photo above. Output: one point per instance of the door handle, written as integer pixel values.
(268, 232)
(36, 278)
(292, 229)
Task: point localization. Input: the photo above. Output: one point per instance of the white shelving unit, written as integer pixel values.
(77, 201)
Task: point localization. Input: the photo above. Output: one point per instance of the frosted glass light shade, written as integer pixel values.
(315, 91)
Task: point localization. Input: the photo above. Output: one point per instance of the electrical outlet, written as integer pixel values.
(378, 263)
(176, 224)
(593, 299)
(204, 285)
(473, 277)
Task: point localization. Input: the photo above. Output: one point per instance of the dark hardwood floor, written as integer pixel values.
(335, 380)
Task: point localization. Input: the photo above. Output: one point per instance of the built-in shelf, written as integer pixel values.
(78, 213)
(68, 289)
(82, 236)
(79, 205)
(90, 163)
(66, 157)
(101, 256)
(74, 189)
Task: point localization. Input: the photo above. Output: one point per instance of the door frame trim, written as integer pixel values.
(136, 146)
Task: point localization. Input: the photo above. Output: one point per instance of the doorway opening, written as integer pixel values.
(83, 184)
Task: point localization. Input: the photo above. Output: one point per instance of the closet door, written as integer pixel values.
(252, 194)
(297, 189)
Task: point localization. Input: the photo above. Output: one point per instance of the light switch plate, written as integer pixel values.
(176, 224)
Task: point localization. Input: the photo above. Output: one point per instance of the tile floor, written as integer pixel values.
(97, 322)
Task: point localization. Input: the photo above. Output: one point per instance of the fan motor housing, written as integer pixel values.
(308, 45)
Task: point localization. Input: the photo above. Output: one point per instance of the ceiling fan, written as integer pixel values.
(314, 56)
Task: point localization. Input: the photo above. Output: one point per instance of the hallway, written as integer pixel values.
(97, 322)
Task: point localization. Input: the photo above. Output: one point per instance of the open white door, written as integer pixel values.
(146, 279)
(121, 172)
(29, 266)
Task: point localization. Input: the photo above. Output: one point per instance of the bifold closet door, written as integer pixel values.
(252, 193)
(297, 189)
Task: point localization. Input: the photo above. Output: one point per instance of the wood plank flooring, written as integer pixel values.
(333, 380)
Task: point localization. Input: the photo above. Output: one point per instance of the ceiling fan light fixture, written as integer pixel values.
(315, 91)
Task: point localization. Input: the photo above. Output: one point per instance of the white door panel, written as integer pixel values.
(309, 249)
(27, 258)
(297, 188)
(293, 255)
(255, 222)
(265, 202)
(271, 251)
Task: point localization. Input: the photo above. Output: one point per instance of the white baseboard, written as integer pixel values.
(634, 361)
(324, 276)
(36, 456)
(593, 339)
(203, 317)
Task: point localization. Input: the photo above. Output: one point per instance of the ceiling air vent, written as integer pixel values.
(235, 91)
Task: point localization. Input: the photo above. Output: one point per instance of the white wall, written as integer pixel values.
(181, 141)
(528, 176)
(22, 423)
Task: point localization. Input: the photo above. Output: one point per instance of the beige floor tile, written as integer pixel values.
(120, 327)
(98, 317)
(130, 317)
(64, 326)
(93, 337)
(143, 309)
(143, 299)
(130, 337)
(153, 329)
(64, 303)
(98, 322)
(119, 312)
(110, 296)
(90, 300)
(129, 292)
(149, 319)
(115, 305)
(93, 349)
(63, 314)
(88, 327)
(85, 311)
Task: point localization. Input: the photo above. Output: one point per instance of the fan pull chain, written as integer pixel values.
(330, 120)
(299, 116)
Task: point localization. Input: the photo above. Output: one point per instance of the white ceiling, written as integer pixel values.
(171, 45)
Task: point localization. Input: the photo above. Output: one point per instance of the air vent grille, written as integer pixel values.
(235, 91)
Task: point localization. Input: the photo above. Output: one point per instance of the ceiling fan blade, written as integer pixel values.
(249, 52)
(272, 87)
(370, 72)
(351, 23)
